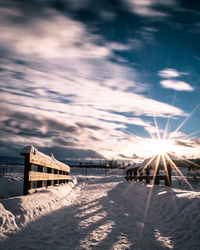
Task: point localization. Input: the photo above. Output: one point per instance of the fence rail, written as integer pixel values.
(48, 170)
(136, 174)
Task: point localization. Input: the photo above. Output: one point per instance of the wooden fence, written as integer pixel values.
(136, 174)
(42, 169)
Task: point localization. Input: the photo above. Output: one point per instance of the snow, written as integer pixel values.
(103, 212)
(29, 150)
(17, 212)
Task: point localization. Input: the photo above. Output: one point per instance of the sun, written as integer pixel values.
(161, 146)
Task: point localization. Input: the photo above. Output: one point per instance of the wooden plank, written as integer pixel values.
(48, 162)
(39, 176)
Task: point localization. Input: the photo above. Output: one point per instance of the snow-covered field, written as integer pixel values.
(100, 212)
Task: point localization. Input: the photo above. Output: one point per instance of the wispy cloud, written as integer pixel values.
(171, 73)
(176, 85)
(149, 8)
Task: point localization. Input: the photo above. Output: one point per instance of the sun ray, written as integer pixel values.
(156, 126)
(151, 135)
(165, 167)
(189, 136)
(166, 129)
(191, 162)
(172, 194)
(178, 170)
(146, 165)
(168, 120)
(182, 158)
(184, 121)
(151, 190)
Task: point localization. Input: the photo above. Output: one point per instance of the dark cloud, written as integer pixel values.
(134, 156)
(85, 125)
(23, 12)
(10, 149)
(195, 141)
(71, 153)
(70, 141)
(37, 128)
(31, 123)
(93, 138)
(184, 144)
(60, 153)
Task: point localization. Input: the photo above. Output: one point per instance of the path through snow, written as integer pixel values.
(101, 218)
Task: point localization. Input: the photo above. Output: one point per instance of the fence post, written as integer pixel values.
(147, 174)
(156, 181)
(168, 180)
(27, 167)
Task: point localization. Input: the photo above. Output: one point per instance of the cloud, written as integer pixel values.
(51, 39)
(118, 46)
(149, 8)
(176, 85)
(132, 157)
(182, 143)
(72, 153)
(168, 73)
(150, 29)
(43, 129)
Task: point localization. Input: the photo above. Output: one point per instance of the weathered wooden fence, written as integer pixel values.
(137, 174)
(42, 169)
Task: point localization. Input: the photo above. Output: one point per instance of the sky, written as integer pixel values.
(95, 79)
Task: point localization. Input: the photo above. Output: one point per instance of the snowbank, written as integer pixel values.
(16, 212)
(171, 215)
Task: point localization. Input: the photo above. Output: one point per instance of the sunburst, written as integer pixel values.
(162, 150)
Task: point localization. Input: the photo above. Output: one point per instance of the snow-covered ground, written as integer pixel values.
(101, 212)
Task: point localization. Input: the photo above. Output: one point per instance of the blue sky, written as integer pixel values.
(91, 79)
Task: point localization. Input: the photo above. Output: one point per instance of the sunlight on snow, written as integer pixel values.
(89, 211)
(122, 243)
(163, 240)
(163, 192)
(87, 206)
(97, 235)
(92, 219)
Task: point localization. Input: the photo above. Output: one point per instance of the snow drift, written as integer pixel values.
(170, 215)
(18, 211)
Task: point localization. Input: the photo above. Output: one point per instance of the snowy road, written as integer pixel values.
(100, 218)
